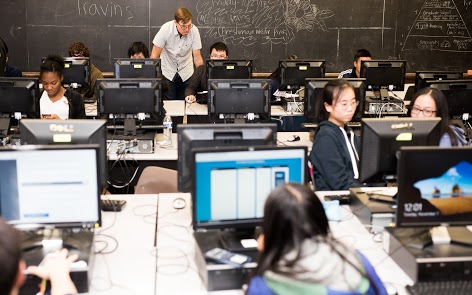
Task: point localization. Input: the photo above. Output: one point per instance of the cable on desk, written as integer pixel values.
(146, 216)
(102, 251)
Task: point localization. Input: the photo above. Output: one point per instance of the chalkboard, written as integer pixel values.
(429, 34)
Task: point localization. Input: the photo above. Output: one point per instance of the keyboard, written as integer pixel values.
(441, 287)
(112, 205)
(151, 127)
(314, 125)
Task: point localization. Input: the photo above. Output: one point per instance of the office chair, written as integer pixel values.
(156, 180)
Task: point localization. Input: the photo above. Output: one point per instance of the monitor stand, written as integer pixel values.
(239, 240)
(4, 126)
(440, 235)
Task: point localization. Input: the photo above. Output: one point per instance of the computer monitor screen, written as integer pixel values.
(191, 136)
(137, 68)
(437, 192)
(238, 100)
(381, 138)
(384, 75)
(458, 95)
(314, 89)
(19, 95)
(46, 185)
(76, 72)
(35, 131)
(294, 72)
(231, 185)
(423, 78)
(229, 69)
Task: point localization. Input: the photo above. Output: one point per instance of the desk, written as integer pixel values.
(175, 108)
(131, 269)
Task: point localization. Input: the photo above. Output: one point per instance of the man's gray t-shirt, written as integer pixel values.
(176, 55)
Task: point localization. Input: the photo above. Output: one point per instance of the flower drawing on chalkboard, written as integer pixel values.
(303, 15)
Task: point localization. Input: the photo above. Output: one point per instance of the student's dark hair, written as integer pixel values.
(79, 48)
(362, 53)
(53, 63)
(138, 47)
(292, 214)
(183, 14)
(10, 255)
(4, 45)
(220, 46)
(330, 94)
(442, 110)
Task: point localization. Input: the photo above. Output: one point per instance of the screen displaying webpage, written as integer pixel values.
(233, 185)
(49, 186)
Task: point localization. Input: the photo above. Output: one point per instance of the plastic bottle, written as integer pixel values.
(168, 130)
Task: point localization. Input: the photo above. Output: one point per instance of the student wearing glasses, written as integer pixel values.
(431, 102)
(176, 43)
(335, 156)
(199, 81)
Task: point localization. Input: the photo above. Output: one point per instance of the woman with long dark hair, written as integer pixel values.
(299, 255)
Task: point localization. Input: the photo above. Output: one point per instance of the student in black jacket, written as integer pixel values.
(56, 102)
(335, 156)
(198, 82)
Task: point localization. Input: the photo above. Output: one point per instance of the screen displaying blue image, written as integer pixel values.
(233, 185)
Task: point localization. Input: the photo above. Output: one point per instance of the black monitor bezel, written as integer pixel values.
(76, 61)
(33, 100)
(120, 63)
(445, 85)
(383, 63)
(288, 63)
(211, 64)
(423, 78)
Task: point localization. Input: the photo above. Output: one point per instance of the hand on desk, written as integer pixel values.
(190, 99)
(49, 116)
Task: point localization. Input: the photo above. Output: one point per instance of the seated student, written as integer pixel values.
(355, 72)
(300, 256)
(78, 49)
(431, 102)
(199, 82)
(56, 102)
(138, 50)
(335, 149)
(13, 266)
(9, 70)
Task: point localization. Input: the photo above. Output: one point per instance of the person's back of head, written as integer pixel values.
(362, 53)
(10, 257)
(219, 46)
(182, 14)
(136, 48)
(330, 94)
(292, 214)
(78, 49)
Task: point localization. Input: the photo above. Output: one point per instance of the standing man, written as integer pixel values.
(199, 81)
(361, 54)
(175, 43)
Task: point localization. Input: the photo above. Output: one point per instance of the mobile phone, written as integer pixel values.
(227, 257)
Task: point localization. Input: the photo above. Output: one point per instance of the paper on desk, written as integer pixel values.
(386, 191)
(202, 92)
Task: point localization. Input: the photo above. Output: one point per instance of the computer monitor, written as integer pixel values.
(76, 72)
(232, 184)
(294, 72)
(314, 89)
(384, 75)
(50, 186)
(381, 138)
(19, 97)
(130, 101)
(65, 132)
(137, 68)
(228, 69)
(191, 136)
(458, 95)
(435, 192)
(234, 101)
(423, 78)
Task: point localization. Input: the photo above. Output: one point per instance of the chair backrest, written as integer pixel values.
(156, 180)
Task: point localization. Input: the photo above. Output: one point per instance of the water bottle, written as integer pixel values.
(168, 128)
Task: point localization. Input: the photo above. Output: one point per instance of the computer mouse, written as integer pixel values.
(295, 138)
(179, 203)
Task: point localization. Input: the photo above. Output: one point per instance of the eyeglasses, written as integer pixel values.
(185, 27)
(427, 112)
(218, 56)
(345, 105)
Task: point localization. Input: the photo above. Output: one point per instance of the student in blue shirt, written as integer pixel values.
(355, 72)
(299, 254)
(431, 102)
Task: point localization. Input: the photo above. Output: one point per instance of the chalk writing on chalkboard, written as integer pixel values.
(439, 26)
(251, 22)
